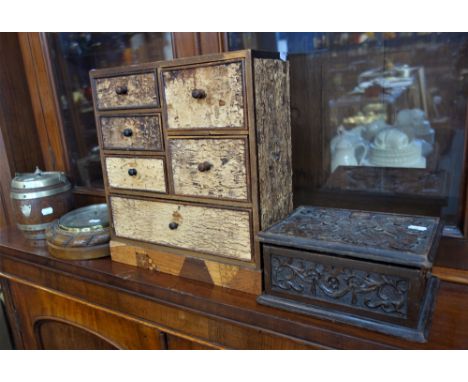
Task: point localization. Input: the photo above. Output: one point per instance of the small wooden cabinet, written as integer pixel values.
(196, 157)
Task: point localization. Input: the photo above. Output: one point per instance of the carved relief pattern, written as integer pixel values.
(370, 291)
(360, 228)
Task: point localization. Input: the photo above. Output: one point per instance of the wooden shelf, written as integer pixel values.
(232, 319)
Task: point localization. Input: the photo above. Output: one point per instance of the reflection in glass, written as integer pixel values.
(384, 114)
(72, 56)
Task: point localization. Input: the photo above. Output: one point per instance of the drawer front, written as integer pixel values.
(146, 174)
(210, 167)
(210, 230)
(132, 133)
(204, 97)
(132, 91)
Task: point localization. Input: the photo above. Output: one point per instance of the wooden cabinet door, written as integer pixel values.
(49, 320)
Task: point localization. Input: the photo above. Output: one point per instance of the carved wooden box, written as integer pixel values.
(367, 269)
(196, 155)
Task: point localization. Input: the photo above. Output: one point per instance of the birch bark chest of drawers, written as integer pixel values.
(196, 155)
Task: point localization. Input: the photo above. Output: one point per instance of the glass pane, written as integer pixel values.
(383, 113)
(72, 56)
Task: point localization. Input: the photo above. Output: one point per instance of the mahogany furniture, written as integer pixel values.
(103, 304)
(100, 304)
(196, 156)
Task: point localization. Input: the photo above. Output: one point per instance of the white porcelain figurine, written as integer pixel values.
(347, 148)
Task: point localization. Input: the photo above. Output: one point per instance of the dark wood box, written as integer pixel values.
(368, 269)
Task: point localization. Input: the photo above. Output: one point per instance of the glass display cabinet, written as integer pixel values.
(72, 56)
(385, 114)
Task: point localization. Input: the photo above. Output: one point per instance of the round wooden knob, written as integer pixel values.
(121, 90)
(204, 166)
(198, 93)
(127, 132)
(173, 225)
(132, 171)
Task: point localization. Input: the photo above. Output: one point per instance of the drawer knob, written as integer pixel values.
(127, 132)
(204, 166)
(198, 93)
(121, 90)
(173, 225)
(132, 171)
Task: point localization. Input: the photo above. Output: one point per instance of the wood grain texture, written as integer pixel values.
(6, 207)
(223, 106)
(194, 310)
(149, 177)
(57, 335)
(19, 151)
(39, 305)
(211, 230)
(145, 133)
(211, 272)
(44, 101)
(226, 178)
(273, 126)
(142, 91)
(178, 343)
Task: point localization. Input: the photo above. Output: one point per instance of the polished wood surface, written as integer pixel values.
(208, 315)
(44, 101)
(19, 151)
(187, 44)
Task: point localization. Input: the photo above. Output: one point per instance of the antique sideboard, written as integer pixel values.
(100, 304)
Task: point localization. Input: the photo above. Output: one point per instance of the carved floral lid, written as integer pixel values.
(407, 240)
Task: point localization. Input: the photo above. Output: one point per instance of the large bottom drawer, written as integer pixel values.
(213, 230)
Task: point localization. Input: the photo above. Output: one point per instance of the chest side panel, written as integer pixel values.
(273, 130)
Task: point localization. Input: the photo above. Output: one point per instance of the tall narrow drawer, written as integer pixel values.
(204, 96)
(216, 231)
(146, 174)
(132, 133)
(131, 91)
(210, 167)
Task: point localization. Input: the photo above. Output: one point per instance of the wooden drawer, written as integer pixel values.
(130, 91)
(210, 167)
(217, 231)
(205, 96)
(145, 174)
(132, 133)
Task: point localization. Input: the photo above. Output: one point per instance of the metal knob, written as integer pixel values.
(173, 225)
(121, 90)
(127, 132)
(198, 93)
(132, 171)
(204, 166)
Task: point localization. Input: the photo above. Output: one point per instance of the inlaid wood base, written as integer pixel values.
(212, 272)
